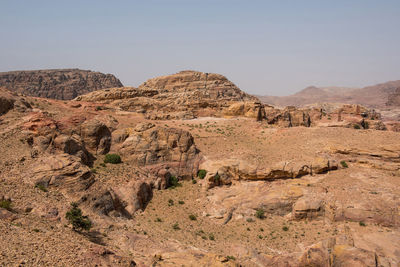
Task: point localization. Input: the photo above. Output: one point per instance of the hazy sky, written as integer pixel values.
(265, 47)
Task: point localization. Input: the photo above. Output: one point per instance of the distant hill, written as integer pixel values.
(58, 83)
(378, 96)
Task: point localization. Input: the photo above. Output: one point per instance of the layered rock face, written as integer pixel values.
(58, 84)
(186, 94)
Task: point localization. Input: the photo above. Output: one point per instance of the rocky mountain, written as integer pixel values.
(186, 94)
(57, 84)
(376, 96)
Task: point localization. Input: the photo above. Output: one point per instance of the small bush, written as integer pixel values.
(362, 224)
(211, 237)
(356, 126)
(231, 258)
(249, 220)
(201, 174)
(181, 202)
(112, 158)
(194, 181)
(78, 221)
(158, 219)
(344, 164)
(192, 217)
(41, 187)
(285, 228)
(260, 214)
(175, 226)
(170, 202)
(5, 204)
(217, 178)
(173, 182)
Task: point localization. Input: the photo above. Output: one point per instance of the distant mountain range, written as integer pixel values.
(376, 96)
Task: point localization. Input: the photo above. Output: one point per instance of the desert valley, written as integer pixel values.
(189, 170)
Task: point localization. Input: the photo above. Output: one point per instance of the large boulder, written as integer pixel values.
(73, 145)
(97, 136)
(159, 148)
(61, 171)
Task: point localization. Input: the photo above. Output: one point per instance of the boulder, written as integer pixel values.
(73, 145)
(307, 208)
(62, 171)
(97, 136)
(158, 148)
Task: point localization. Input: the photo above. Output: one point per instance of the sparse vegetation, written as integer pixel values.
(362, 224)
(217, 178)
(211, 237)
(78, 221)
(356, 126)
(42, 187)
(170, 202)
(192, 217)
(260, 213)
(175, 226)
(344, 164)
(201, 174)
(181, 202)
(158, 219)
(231, 258)
(5, 204)
(112, 158)
(173, 182)
(285, 228)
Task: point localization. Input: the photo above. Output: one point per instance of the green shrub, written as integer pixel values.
(181, 202)
(112, 158)
(211, 237)
(78, 221)
(194, 181)
(192, 217)
(158, 219)
(5, 204)
(260, 213)
(41, 187)
(362, 224)
(170, 202)
(217, 178)
(356, 126)
(201, 174)
(175, 226)
(173, 182)
(285, 228)
(344, 164)
(231, 258)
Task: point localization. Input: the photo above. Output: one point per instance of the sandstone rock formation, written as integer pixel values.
(182, 95)
(62, 171)
(97, 136)
(158, 148)
(57, 84)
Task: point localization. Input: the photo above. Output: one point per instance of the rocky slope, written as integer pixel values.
(58, 84)
(300, 187)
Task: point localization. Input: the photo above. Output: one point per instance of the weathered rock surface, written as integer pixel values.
(58, 84)
(97, 136)
(61, 171)
(182, 95)
(6, 101)
(225, 171)
(158, 148)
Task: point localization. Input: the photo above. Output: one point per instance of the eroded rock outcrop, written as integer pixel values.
(97, 136)
(158, 148)
(225, 171)
(58, 84)
(61, 171)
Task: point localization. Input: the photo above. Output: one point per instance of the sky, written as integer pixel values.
(264, 47)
